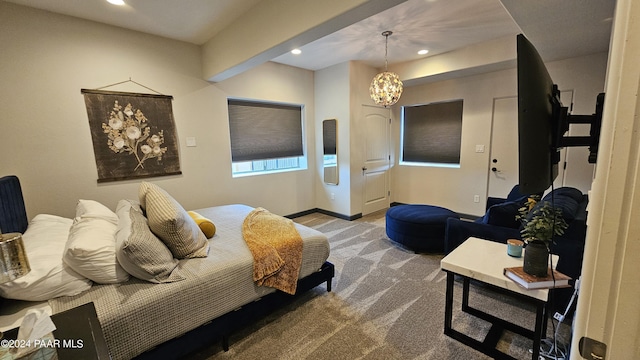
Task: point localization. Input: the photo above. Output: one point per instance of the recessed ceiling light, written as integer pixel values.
(116, 2)
(423, 52)
(296, 51)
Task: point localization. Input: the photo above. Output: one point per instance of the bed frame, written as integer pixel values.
(13, 218)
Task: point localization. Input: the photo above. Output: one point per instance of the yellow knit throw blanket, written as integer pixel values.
(276, 247)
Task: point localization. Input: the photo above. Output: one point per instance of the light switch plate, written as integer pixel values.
(191, 141)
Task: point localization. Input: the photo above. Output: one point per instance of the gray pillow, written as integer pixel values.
(139, 251)
(172, 224)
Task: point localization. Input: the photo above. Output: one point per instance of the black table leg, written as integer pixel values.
(448, 307)
(541, 327)
(488, 346)
(465, 293)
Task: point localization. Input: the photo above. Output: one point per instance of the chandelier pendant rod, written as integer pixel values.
(386, 35)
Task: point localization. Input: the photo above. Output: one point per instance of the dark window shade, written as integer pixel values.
(432, 133)
(264, 131)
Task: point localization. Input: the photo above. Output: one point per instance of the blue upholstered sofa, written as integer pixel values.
(499, 224)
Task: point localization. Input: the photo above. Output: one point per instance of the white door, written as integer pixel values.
(503, 159)
(375, 169)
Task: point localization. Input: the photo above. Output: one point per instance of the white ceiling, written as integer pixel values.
(558, 28)
(194, 21)
(438, 26)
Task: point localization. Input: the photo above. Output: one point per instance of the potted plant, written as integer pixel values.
(540, 224)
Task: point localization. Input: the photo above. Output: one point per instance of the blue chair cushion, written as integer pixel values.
(565, 191)
(567, 199)
(503, 214)
(515, 194)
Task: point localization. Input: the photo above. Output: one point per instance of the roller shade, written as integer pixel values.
(432, 133)
(264, 131)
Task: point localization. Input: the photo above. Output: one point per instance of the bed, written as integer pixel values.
(214, 295)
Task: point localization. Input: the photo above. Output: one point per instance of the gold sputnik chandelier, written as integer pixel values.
(386, 87)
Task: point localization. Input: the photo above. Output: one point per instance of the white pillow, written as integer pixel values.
(93, 209)
(49, 277)
(91, 247)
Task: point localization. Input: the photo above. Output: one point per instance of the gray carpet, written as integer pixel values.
(386, 303)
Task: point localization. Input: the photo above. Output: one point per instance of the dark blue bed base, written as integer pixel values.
(219, 329)
(13, 218)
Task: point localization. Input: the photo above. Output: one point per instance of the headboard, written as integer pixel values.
(13, 215)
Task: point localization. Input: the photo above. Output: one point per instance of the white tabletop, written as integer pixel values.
(485, 261)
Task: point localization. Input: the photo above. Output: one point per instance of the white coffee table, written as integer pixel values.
(484, 261)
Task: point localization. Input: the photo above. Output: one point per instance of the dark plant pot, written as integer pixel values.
(536, 259)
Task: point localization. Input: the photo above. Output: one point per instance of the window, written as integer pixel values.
(265, 137)
(431, 134)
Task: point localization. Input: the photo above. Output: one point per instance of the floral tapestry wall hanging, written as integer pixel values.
(133, 135)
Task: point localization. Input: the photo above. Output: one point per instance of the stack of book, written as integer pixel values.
(555, 280)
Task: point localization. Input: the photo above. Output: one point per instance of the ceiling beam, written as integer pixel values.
(273, 27)
(493, 55)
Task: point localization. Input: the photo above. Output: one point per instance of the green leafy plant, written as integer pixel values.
(541, 222)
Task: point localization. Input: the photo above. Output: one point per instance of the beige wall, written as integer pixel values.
(341, 90)
(607, 309)
(44, 138)
(48, 58)
(454, 188)
(332, 102)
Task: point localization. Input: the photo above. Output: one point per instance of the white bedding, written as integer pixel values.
(44, 242)
(138, 315)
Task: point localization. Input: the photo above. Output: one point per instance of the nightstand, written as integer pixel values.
(79, 333)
